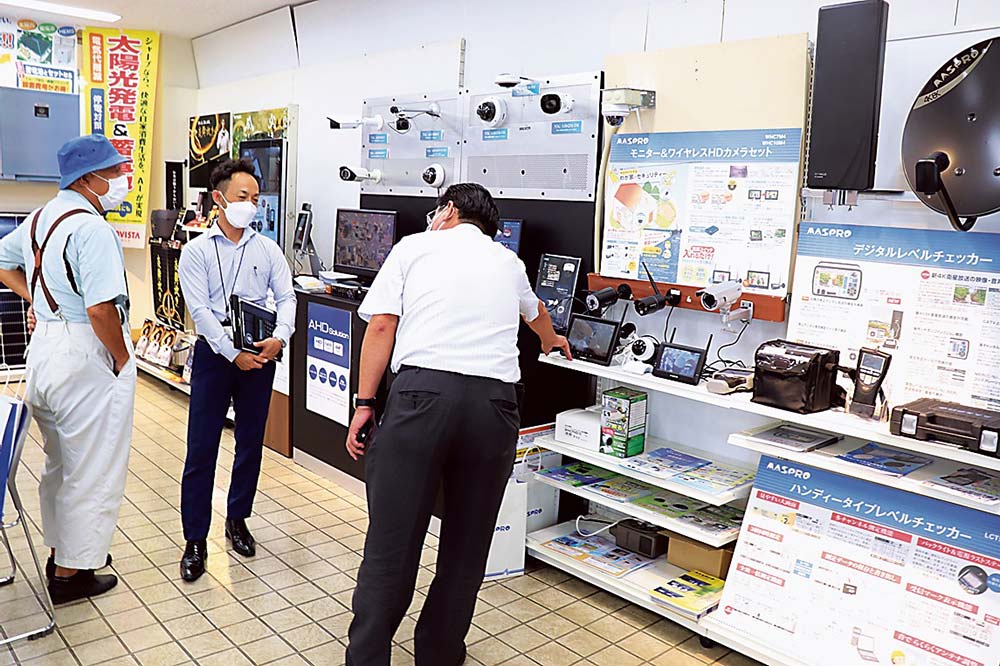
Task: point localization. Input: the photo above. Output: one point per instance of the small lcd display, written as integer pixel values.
(682, 364)
(509, 234)
(593, 339)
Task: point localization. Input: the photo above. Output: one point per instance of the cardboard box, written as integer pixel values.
(579, 427)
(623, 422)
(693, 555)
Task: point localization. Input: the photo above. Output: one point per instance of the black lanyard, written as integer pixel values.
(222, 279)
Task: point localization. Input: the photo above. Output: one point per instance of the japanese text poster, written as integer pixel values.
(119, 69)
(835, 571)
(37, 56)
(930, 298)
(328, 362)
(703, 207)
(168, 299)
(265, 124)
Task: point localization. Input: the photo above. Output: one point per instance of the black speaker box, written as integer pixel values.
(847, 94)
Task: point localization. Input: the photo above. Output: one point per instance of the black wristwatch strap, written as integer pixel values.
(365, 402)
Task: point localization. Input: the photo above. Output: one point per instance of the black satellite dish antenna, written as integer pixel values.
(951, 142)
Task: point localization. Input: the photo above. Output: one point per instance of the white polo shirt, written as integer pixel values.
(459, 297)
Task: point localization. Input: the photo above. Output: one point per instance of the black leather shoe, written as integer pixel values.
(237, 532)
(461, 660)
(50, 566)
(193, 562)
(80, 585)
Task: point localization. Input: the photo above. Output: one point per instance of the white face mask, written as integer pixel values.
(239, 213)
(432, 216)
(117, 191)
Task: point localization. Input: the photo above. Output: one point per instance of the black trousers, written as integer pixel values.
(215, 383)
(440, 430)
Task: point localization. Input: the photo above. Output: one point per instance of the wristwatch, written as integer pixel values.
(364, 402)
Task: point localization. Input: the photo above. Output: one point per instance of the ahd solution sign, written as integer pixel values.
(328, 362)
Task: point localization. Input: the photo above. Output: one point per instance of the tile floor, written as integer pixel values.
(290, 604)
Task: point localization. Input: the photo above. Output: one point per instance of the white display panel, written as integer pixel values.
(524, 152)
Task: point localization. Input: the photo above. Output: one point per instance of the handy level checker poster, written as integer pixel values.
(119, 69)
(703, 207)
(930, 298)
(328, 362)
(834, 571)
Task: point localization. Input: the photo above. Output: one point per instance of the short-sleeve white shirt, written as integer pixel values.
(459, 297)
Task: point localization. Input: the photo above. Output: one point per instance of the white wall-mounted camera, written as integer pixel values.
(359, 174)
(508, 80)
(721, 295)
(434, 175)
(644, 349)
(555, 103)
(492, 111)
(619, 103)
(374, 122)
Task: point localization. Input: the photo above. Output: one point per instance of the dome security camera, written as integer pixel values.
(507, 80)
(434, 175)
(492, 111)
(553, 103)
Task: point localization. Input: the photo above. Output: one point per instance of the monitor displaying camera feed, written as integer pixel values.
(556, 286)
(593, 339)
(679, 363)
(363, 240)
(509, 234)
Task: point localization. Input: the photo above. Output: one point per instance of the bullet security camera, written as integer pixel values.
(553, 103)
(434, 175)
(375, 122)
(351, 175)
(603, 298)
(492, 111)
(723, 295)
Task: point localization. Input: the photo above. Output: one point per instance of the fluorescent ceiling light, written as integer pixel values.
(66, 10)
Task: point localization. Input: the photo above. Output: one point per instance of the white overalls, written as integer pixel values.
(82, 408)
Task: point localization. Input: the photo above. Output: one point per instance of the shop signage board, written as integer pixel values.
(37, 56)
(119, 72)
(263, 124)
(834, 571)
(168, 299)
(328, 362)
(703, 207)
(930, 298)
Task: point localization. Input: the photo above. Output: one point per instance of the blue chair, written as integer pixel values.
(13, 445)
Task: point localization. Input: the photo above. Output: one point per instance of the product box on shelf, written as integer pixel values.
(579, 427)
(690, 554)
(623, 422)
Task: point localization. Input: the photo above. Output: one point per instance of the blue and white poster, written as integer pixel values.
(328, 362)
(703, 207)
(930, 298)
(835, 571)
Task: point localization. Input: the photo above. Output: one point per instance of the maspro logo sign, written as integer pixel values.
(788, 470)
(829, 232)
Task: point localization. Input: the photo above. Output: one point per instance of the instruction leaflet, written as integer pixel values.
(703, 207)
(840, 572)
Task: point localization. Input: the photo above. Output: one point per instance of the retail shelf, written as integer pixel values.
(671, 524)
(826, 458)
(614, 464)
(171, 380)
(832, 420)
(714, 629)
(634, 587)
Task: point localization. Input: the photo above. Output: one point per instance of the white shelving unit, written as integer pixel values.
(836, 421)
(170, 379)
(614, 464)
(635, 588)
(672, 524)
(826, 459)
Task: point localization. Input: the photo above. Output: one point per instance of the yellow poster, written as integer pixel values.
(119, 73)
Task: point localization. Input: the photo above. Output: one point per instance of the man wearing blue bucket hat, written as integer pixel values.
(68, 262)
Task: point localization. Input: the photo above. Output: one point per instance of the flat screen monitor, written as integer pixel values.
(509, 234)
(267, 156)
(556, 287)
(363, 240)
(593, 339)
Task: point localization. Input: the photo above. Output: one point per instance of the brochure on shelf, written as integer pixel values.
(664, 463)
(668, 504)
(837, 571)
(578, 474)
(886, 459)
(622, 489)
(715, 521)
(978, 484)
(714, 479)
(694, 594)
(599, 553)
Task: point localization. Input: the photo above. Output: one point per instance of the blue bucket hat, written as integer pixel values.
(84, 155)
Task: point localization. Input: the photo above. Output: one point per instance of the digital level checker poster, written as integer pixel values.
(703, 207)
(929, 298)
(834, 571)
(328, 362)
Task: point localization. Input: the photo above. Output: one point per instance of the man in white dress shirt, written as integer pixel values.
(446, 306)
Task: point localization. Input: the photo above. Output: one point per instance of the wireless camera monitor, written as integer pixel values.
(363, 240)
(679, 363)
(593, 339)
